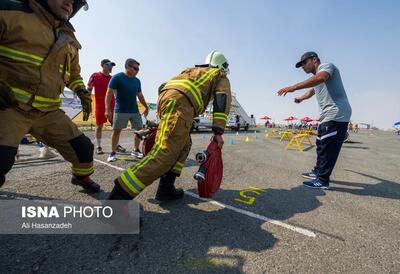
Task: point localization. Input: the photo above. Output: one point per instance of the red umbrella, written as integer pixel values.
(265, 118)
(290, 118)
(317, 120)
(306, 119)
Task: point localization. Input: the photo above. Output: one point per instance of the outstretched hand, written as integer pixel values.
(286, 90)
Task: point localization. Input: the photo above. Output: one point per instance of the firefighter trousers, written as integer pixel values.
(53, 128)
(172, 144)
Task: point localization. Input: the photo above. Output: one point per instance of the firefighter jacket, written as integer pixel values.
(201, 85)
(38, 54)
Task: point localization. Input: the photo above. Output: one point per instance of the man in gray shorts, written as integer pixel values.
(125, 86)
(327, 85)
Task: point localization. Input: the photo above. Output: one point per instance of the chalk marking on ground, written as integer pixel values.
(299, 230)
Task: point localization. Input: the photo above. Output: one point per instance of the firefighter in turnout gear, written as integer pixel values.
(38, 58)
(180, 100)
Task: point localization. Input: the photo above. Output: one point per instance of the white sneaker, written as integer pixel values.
(112, 157)
(46, 153)
(137, 154)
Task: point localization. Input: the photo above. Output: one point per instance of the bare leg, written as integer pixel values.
(99, 129)
(137, 142)
(115, 139)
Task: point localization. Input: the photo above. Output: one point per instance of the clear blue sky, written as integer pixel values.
(262, 41)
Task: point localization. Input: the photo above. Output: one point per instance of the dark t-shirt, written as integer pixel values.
(126, 89)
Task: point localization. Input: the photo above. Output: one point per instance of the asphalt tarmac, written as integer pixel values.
(261, 221)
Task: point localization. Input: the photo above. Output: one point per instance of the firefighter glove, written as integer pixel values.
(86, 101)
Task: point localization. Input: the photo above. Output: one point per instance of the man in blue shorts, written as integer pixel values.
(335, 108)
(126, 87)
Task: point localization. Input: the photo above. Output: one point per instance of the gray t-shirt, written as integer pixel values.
(331, 96)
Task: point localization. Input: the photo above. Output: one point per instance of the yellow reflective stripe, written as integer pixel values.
(62, 70)
(222, 119)
(156, 148)
(178, 166)
(132, 182)
(21, 95)
(39, 101)
(66, 73)
(75, 84)
(20, 91)
(206, 77)
(136, 180)
(167, 117)
(41, 105)
(128, 184)
(168, 110)
(194, 87)
(50, 100)
(220, 116)
(82, 171)
(21, 56)
(189, 85)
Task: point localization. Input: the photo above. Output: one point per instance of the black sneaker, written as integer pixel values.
(137, 154)
(99, 151)
(121, 149)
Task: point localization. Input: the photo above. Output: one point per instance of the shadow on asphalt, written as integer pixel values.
(6, 195)
(37, 163)
(352, 142)
(278, 204)
(384, 189)
(309, 148)
(344, 146)
(203, 230)
(182, 239)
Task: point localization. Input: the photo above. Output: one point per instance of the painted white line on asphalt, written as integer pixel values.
(256, 216)
(107, 164)
(300, 230)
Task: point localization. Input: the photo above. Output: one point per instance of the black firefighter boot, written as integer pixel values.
(121, 220)
(118, 193)
(166, 189)
(88, 184)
